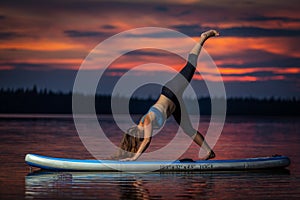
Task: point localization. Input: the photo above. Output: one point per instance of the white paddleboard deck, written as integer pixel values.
(64, 164)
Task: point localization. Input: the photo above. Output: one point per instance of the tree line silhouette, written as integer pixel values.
(45, 101)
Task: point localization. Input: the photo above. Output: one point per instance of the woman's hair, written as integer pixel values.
(130, 143)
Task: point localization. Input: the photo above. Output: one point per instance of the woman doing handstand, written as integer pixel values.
(138, 138)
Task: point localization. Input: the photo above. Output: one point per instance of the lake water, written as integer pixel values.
(55, 135)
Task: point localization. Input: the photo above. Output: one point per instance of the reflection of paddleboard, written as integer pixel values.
(63, 164)
(89, 178)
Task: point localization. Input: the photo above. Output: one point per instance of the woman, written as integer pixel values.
(138, 138)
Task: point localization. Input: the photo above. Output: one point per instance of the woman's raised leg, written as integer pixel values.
(178, 84)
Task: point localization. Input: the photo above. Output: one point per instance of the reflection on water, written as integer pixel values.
(148, 186)
(56, 136)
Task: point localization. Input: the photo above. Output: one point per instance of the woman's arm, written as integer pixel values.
(146, 141)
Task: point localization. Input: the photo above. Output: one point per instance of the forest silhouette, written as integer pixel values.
(45, 101)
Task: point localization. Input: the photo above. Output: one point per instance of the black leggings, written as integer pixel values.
(174, 89)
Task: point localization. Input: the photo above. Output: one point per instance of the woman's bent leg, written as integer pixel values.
(182, 118)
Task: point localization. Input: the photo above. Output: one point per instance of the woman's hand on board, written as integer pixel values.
(128, 159)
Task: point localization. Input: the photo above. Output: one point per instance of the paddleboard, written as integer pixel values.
(65, 164)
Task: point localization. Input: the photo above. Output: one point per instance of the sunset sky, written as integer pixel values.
(43, 43)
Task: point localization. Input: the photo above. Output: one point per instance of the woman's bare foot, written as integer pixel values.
(208, 34)
(210, 155)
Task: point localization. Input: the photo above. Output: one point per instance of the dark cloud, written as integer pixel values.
(75, 34)
(108, 27)
(30, 66)
(190, 30)
(195, 29)
(293, 77)
(147, 52)
(259, 32)
(8, 35)
(161, 8)
(154, 35)
(268, 74)
(183, 13)
(2, 17)
(96, 8)
(262, 89)
(61, 80)
(261, 18)
(35, 66)
(260, 58)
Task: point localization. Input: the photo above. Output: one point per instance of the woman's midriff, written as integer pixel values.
(165, 105)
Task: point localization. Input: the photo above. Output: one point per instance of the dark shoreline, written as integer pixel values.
(31, 101)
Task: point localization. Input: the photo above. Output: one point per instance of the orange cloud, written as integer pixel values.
(40, 45)
(237, 78)
(228, 46)
(292, 70)
(263, 69)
